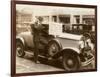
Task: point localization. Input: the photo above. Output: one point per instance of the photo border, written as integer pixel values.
(13, 36)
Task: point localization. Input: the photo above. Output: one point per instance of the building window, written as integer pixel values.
(64, 19)
(77, 17)
(54, 18)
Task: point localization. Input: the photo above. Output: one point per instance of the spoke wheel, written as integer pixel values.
(70, 62)
(53, 48)
(20, 49)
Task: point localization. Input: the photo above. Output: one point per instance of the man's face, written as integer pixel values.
(39, 21)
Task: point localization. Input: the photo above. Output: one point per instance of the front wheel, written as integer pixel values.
(71, 62)
(20, 49)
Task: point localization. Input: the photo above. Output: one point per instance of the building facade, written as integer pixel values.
(23, 18)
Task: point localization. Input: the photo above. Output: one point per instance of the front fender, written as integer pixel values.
(71, 48)
(67, 50)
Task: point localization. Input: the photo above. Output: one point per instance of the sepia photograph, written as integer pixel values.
(54, 38)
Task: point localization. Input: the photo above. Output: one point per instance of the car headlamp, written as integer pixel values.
(81, 44)
(85, 43)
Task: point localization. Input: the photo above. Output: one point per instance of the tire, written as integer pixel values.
(53, 48)
(71, 62)
(20, 49)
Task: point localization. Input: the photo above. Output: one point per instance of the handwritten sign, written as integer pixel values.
(55, 28)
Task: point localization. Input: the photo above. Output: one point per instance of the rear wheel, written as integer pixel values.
(71, 62)
(20, 49)
(53, 48)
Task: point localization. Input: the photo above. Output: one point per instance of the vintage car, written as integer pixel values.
(73, 50)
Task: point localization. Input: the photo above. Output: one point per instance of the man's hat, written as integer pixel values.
(40, 18)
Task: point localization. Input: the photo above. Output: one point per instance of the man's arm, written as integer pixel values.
(32, 28)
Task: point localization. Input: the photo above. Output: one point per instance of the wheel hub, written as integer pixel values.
(70, 63)
(19, 50)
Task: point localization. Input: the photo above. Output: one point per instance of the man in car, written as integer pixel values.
(36, 30)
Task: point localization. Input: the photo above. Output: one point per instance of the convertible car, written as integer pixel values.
(73, 50)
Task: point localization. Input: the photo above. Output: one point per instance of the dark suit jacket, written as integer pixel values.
(36, 31)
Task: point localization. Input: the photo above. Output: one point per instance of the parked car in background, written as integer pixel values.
(84, 29)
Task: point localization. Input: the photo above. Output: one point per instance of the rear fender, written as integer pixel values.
(65, 49)
(57, 41)
(18, 38)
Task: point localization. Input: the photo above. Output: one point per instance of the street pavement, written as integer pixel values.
(27, 65)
